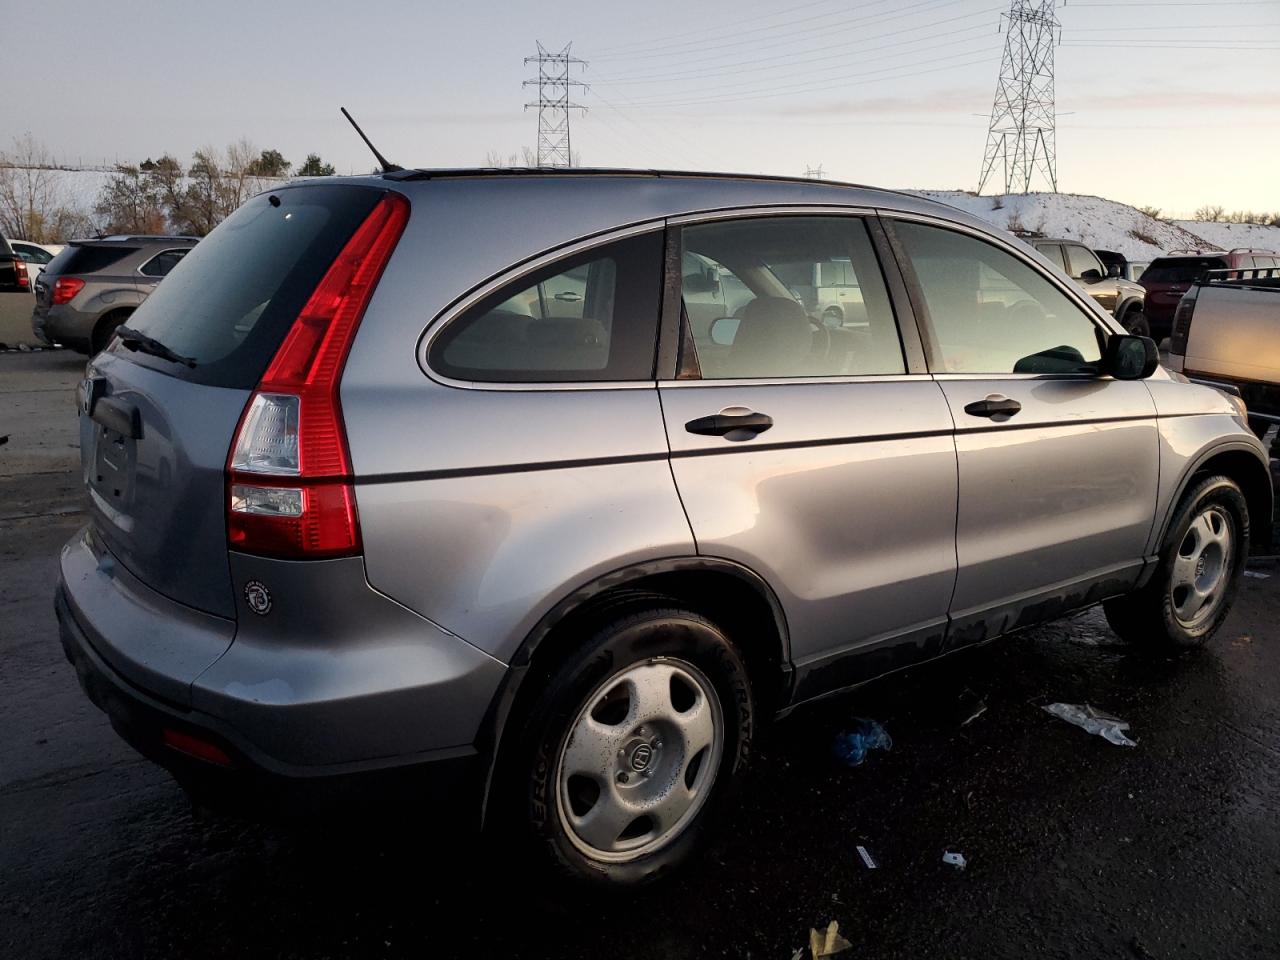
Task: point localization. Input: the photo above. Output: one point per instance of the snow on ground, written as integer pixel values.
(1229, 236)
(1101, 224)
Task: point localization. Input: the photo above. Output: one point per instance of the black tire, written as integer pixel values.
(639, 634)
(1149, 617)
(1135, 321)
(106, 329)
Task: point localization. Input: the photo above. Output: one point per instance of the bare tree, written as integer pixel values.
(34, 201)
(1209, 213)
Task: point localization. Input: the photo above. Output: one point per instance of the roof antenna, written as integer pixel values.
(386, 166)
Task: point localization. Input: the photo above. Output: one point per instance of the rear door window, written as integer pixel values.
(1053, 252)
(592, 317)
(238, 290)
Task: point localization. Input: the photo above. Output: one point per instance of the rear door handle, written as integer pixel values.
(993, 406)
(729, 421)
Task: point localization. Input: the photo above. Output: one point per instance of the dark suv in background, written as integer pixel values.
(92, 286)
(1172, 275)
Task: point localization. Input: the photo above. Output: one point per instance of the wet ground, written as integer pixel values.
(1076, 848)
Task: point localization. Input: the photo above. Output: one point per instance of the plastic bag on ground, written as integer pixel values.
(852, 746)
(828, 943)
(1093, 721)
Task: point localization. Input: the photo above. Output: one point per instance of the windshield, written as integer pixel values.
(229, 302)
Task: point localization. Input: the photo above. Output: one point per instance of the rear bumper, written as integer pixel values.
(287, 733)
(62, 324)
(452, 783)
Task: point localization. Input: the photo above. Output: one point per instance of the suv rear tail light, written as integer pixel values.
(289, 490)
(20, 271)
(65, 289)
(1182, 323)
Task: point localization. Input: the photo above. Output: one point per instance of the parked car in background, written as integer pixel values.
(1226, 332)
(14, 277)
(92, 286)
(1170, 276)
(1122, 298)
(386, 485)
(36, 255)
(1127, 269)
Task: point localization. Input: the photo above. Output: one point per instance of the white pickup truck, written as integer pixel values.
(1226, 333)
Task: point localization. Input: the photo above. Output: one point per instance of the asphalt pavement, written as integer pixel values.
(1075, 847)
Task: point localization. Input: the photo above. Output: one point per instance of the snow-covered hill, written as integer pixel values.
(1101, 224)
(1228, 236)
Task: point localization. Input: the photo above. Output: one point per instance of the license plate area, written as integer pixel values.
(115, 458)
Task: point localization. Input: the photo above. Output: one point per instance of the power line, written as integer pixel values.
(554, 104)
(843, 51)
(824, 85)
(800, 36)
(656, 41)
(1022, 131)
(701, 40)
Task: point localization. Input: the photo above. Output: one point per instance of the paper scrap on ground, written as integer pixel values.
(1093, 721)
(956, 860)
(828, 943)
(866, 858)
(1256, 575)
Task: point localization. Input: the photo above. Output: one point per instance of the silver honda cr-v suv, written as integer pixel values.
(539, 491)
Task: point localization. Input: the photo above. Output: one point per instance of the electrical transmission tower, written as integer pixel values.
(814, 173)
(554, 103)
(1021, 135)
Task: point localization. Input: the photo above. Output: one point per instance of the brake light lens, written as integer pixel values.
(65, 289)
(289, 489)
(1182, 324)
(20, 271)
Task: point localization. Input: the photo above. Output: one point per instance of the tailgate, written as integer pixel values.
(153, 451)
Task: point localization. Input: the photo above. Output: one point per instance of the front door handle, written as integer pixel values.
(993, 406)
(732, 423)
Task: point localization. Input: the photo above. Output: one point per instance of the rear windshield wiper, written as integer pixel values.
(141, 343)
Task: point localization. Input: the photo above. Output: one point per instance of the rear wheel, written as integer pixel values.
(633, 743)
(106, 329)
(1199, 573)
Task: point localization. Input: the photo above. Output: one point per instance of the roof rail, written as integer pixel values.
(1193, 253)
(1252, 250)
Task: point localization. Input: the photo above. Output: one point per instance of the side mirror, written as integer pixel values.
(1131, 358)
(1113, 271)
(724, 330)
(1091, 276)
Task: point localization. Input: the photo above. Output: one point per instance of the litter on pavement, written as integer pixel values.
(866, 858)
(1093, 721)
(956, 860)
(828, 943)
(1256, 575)
(852, 746)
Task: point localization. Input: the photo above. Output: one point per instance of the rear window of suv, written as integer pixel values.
(1181, 269)
(230, 302)
(82, 259)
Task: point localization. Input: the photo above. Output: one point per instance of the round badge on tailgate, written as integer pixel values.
(258, 597)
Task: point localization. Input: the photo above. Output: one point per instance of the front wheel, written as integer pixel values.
(1201, 563)
(633, 742)
(1135, 321)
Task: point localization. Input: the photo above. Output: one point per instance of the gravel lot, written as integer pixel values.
(1076, 848)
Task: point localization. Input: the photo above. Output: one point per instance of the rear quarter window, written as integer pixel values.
(229, 303)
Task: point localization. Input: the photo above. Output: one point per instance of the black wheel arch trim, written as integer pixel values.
(1260, 530)
(490, 736)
